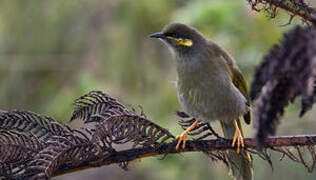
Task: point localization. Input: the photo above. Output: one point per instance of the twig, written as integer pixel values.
(297, 8)
(191, 146)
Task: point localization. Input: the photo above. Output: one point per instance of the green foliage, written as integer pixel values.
(54, 51)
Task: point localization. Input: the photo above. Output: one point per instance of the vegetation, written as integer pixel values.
(51, 52)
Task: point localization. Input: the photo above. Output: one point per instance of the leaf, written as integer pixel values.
(17, 150)
(289, 70)
(130, 128)
(28, 122)
(96, 102)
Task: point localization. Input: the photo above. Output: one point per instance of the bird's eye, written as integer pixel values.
(175, 35)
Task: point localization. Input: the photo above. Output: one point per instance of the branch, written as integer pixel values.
(61, 149)
(285, 73)
(294, 7)
(191, 146)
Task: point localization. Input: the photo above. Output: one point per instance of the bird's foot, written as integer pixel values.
(181, 138)
(238, 138)
(184, 134)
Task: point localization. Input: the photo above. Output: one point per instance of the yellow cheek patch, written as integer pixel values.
(182, 42)
(185, 42)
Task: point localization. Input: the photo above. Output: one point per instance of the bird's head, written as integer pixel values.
(180, 37)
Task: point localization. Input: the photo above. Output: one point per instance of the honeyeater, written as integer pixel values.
(210, 87)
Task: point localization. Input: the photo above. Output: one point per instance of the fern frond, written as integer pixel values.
(96, 102)
(31, 123)
(63, 152)
(289, 70)
(17, 149)
(65, 147)
(130, 128)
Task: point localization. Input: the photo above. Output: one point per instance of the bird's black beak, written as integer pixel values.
(160, 35)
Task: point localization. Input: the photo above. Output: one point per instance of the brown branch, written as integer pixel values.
(294, 7)
(192, 146)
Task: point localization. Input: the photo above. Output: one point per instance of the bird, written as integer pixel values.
(210, 87)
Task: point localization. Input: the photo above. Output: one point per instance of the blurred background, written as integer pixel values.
(52, 52)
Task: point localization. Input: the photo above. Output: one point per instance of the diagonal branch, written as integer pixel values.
(191, 146)
(69, 150)
(294, 7)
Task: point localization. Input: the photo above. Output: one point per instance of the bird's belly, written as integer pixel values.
(212, 101)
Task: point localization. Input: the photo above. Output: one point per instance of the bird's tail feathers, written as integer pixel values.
(240, 164)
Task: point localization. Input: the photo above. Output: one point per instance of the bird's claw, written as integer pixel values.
(181, 138)
(239, 139)
(184, 135)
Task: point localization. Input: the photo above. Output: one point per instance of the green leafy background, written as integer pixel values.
(51, 52)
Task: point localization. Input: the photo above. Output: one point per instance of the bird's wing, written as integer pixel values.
(241, 84)
(236, 76)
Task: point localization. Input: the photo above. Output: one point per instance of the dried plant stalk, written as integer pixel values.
(293, 7)
(38, 147)
(215, 148)
(289, 70)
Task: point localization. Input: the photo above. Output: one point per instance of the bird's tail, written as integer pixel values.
(239, 164)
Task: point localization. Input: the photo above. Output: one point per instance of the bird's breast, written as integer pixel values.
(209, 95)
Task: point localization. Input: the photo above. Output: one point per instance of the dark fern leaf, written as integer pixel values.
(130, 128)
(218, 156)
(22, 135)
(96, 102)
(286, 72)
(65, 147)
(309, 94)
(269, 108)
(63, 152)
(6, 171)
(17, 149)
(29, 122)
(203, 130)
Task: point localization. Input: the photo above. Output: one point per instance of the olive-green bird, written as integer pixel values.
(210, 87)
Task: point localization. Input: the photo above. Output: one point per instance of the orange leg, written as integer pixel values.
(237, 137)
(184, 134)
